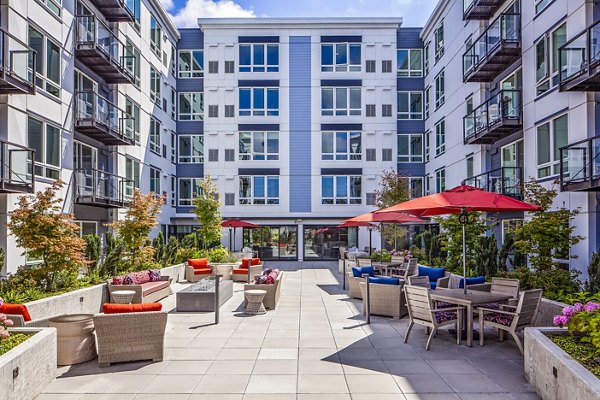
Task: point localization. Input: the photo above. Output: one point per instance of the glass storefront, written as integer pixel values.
(273, 242)
(323, 242)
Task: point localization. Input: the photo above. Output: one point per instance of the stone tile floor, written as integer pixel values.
(315, 346)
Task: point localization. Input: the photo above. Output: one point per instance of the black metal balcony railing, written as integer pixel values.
(17, 63)
(495, 50)
(102, 120)
(480, 9)
(100, 49)
(579, 61)
(505, 180)
(116, 10)
(101, 189)
(498, 117)
(580, 165)
(17, 173)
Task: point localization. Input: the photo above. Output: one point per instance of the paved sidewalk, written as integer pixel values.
(315, 346)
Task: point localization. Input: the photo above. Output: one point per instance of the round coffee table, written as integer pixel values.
(255, 302)
(123, 296)
(75, 338)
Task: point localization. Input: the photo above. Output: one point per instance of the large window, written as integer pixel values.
(426, 58)
(540, 5)
(440, 180)
(440, 91)
(54, 6)
(415, 186)
(546, 59)
(410, 62)
(155, 180)
(438, 36)
(410, 105)
(273, 242)
(341, 101)
(155, 36)
(340, 189)
(133, 61)
(410, 147)
(259, 101)
(551, 136)
(191, 64)
(341, 146)
(191, 106)
(440, 137)
(132, 174)
(259, 57)
(132, 125)
(154, 136)
(259, 189)
(45, 139)
(47, 68)
(259, 146)
(340, 57)
(191, 149)
(188, 188)
(155, 85)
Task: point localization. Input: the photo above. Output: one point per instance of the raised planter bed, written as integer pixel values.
(553, 373)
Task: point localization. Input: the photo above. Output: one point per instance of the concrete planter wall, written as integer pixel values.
(83, 301)
(177, 272)
(28, 368)
(553, 373)
(548, 309)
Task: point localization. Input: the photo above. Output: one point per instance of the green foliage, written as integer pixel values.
(215, 255)
(587, 326)
(451, 238)
(393, 189)
(206, 208)
(113, 262)
(579, 297)
(583, 352)
(427, 248)
(13, 341)
(381, 256)
(2, 258)
(159, 247)
(93, 252)
(486, 256)
(592, 284)
(171, 251)
(190, 241)
(555, 282)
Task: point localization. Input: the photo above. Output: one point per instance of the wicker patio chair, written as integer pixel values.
(421, 281)
(246, 274)
(363, 262)
(386, 300)
(353, 285)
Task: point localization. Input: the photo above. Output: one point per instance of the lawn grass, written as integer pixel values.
(583, 352)
(13, 341)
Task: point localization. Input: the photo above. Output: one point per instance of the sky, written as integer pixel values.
(186, 12)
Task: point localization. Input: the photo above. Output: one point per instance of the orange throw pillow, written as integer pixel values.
(15, 309)
(255, 261)
(110, 308)
(245, 262)
(198, 262)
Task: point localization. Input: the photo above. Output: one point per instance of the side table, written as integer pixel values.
(122, 296)
(255, 302)
(75, 338)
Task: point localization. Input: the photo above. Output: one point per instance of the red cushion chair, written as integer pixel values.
(202, 271)
(16, 309)
(240, 271)
(110, 308)
(245, 262)
(255, 261)
(198, 263)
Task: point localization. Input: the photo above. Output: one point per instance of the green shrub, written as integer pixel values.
(381, 256)
(593, 282)
(579, 297)
(486, 256)
(555, 282)
(216, 255)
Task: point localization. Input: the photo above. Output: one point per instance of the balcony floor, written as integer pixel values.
(483, 9)
(587, 81)
(103, 65)
(496, 132)
(101, 132)
(12, 85)
(496, 62)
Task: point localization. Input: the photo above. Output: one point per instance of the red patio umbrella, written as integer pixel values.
(460, 200)
(237, 223)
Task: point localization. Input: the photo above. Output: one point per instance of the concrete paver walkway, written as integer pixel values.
(316, 345)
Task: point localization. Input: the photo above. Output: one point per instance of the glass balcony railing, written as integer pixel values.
(499, 113)
(100, 188)
(505, 180)
(101, 119)
(17, 63)
(17, 173)
(579, 59)
(580, 165)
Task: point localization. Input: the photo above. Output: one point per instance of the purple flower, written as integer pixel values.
(578, 307)
(1, 301)
(568, 311)
(589, 307)
(560, 320)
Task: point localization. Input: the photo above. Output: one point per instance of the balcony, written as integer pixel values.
(495, 50)
(102, 120)
(579, 61)
(498, 117)
(18, 168)
(580, 166)
(507, 181)
(480, 9)
(116, 10)
(17, 63)
(101, 189)
(100, 49)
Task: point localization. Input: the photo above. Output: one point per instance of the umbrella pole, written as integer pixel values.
(463, 219)
(229, 239)
(370, 241)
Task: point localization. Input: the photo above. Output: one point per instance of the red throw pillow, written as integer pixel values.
(110, 308)
(255, 261)
(245, 262)
(15, 309)
(198, 262)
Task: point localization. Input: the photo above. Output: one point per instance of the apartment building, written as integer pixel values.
(509, 84)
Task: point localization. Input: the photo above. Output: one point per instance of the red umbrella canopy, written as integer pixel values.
(350, 224)
(454, 201)
(388, 217)
(238, 223)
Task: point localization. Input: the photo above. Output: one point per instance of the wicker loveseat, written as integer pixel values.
(387, 299)
(273, 291)
(148, 292)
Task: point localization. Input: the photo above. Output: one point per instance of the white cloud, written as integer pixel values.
(167, 4)
(188, 15)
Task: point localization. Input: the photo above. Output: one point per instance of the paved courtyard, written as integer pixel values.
(316, 345)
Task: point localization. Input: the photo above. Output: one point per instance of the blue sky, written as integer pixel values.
(414, 12)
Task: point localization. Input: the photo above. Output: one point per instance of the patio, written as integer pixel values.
(315, 345)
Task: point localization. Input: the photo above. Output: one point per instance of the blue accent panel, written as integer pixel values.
(190, 127)
(258, 39)
(258, 82)
(341, 39)
(191, 38)
(258, 127)
(341, 127)
(409, 38)
(410, 84)
(341, 171)
(258, 171)
(190, 170)
(190, 85)
(300, 124)
(411, 126)
(412, 169)
(341, 82)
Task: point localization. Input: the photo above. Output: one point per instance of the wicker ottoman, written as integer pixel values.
(255, 302)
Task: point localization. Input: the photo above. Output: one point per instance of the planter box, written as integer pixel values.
(28, 368)
(82, 301)
(548, 309)
(553, 373)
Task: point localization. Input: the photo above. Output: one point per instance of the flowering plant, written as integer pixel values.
(407, 254)
(583, 320)
(5, 323)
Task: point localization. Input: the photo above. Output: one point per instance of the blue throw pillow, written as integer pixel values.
(358, 272)
(384, 280)
(471, 281)
(433, 273)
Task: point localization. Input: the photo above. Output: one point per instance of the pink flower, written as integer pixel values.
(1, 301)
(578, 307)
(9, 322)
(2, 317)
(589, 307)
(4, 333)
(568, 311)
(560, 320)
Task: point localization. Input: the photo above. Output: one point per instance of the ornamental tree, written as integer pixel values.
(206, 207)
(393, 189)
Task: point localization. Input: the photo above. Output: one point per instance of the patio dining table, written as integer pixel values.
(469, 300)
(385, 267)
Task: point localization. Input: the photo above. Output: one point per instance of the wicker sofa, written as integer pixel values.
(148, 292)
(273, 291)
(386, 300)
(130, 337)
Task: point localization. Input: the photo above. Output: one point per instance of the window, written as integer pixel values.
(371, 199)
(426, 101)
(371, 110)
(132, 175)
(230, 199)
(259, 57)
(155, 36)
(440, 180)
(410, 105)
(173, 147)
(341, 146)
(229, 111)
(155, 180)
(259, 101)
(386, 66)
(132, 61)
(154, 136)
(213, 155)
(551, 136)
(340, 57)
(259, 146)
(213, 111)
(155, 85)
(173, 200)
(229, 67)
(188, 188)
(136, 8)
(371, 66)
(229, 155)
(173, 65)
(440, 138)
(45, 139)
(47, 67)
(410, 62)
(386, 110)
(191, 64)
(546, 59)
(470, 168)
(340, 189)
(540, 5)
(191, 149)
(213, 67)
(426, 58)
(415, 186)
(439, 90)
(439, 41)
(410, 148)
(386, 154)
(259, 190)
(87, 228)
(132, 125)
(341, 101)
(191, 106)
(371, 154)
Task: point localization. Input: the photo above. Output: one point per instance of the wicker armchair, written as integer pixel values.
(130, 336)
(386, 300)
(193, 277)
(246, 274)
(353, 286)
